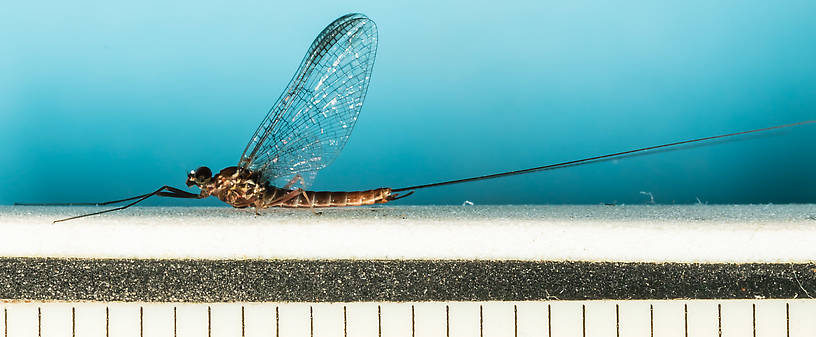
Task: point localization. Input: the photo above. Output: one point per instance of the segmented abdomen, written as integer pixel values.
(277, 197)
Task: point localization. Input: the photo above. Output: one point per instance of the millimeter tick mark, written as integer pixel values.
(753, 314)
(719, 319)
(549, 320)
(583, 320)
(141, 321)
(515, 321)
(787, 319)
(413, 322)
(481, 321)
(447, 321)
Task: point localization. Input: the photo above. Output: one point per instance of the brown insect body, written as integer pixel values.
(243, 188)
(309, 125)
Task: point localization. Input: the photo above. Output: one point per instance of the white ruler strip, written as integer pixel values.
(428, 319)
(727, 233)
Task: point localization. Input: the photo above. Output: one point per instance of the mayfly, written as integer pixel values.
(309, 125)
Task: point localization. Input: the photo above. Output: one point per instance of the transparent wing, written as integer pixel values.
(312, 120)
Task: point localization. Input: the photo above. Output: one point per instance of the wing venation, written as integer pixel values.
(312, 120)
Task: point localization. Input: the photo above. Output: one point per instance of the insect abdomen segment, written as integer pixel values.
(275, 197)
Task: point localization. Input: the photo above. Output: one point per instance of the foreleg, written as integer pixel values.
(164, 191)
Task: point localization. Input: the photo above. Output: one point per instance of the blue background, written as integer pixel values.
(101, 101)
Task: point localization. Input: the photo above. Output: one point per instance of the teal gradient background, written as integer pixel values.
(101, 101)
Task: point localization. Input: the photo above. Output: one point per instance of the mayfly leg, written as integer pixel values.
(294, 181)
(175, 193)
(310, 202)
(171, 192)
(291, 195)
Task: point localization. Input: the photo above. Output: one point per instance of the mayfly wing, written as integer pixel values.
(312, 120)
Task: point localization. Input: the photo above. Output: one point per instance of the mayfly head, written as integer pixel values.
(199, 176)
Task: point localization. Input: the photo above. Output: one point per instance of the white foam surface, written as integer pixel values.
(693, 233)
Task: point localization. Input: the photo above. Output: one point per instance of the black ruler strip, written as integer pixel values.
(149, 280)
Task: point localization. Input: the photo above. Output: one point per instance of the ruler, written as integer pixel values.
(622, 271)
(442, 319)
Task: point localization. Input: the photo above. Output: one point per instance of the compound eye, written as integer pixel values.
(203, 173)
